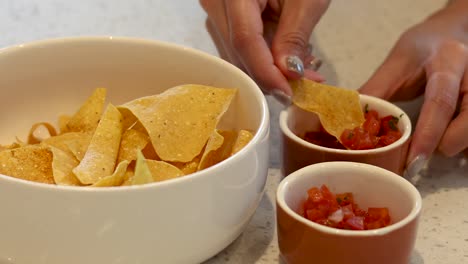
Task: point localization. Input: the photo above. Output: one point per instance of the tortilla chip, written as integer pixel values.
(32, 139)
(31, 162)
(214, 142)
(218, 148)
(128, 177)
(188, 167)
(132, 142)
(101, 155)
(62, 165)
(149, 152)
(243, 138)
(13, 145)
(79, 145)
(87, 117)
(62, 123)
(162, 171)
(337, 108)
(142, 171)
(128, 118)
(74, 143)
(185, 114)
(116, 179)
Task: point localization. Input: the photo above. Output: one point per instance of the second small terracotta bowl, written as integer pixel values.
(302, 241)
(298, 153)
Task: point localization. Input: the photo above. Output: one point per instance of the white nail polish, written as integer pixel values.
(415, 166)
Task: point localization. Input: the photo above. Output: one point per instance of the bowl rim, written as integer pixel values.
(303, 172)
(261, 132)
(283, 124)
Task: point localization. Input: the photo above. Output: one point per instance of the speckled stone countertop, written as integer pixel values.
(352, 38)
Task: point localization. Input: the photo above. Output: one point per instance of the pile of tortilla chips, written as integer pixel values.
(149, 139)
(337, 108)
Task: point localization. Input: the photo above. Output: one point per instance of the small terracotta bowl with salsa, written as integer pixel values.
(298, 152)
(302, 240)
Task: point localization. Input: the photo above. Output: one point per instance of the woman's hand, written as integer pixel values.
(268, 39)
(431, 58)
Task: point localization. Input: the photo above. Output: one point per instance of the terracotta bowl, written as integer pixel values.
(298, 153)
(303, 241)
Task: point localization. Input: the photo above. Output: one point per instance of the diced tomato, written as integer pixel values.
(340, 211)
(389, 138)
(316, 214)
(372, 123)
(375, 132)
(377, 218)
(378, 213)
(315, 195)
(388, 123)
(327, 194)
(358, 139)
(348, 138)
(366, 141)
(360, 212)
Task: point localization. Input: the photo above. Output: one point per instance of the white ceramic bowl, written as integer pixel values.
(185, 220)
(303, 241)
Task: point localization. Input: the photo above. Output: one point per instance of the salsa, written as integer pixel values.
(340, 211)
(375, 132)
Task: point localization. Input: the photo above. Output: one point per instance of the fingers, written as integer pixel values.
(401, 69)
(298, 19)
(444, 73)
(217, 27)
(239, 32)
(455, 139)
(246, 36)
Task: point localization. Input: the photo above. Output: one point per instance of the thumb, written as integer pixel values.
(290, 44)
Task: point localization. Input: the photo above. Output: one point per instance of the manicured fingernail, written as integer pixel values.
(315, 64)
(415, 166)
(281, 97)
(295, 64)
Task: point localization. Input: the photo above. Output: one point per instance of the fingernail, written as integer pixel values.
(315, 64)
(295, 64)
(281, 97)
(415, 166)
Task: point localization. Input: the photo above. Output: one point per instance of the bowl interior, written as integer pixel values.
(370, 185)
(297, 121)
(43, 80)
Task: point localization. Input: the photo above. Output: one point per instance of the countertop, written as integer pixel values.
(352, 39)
